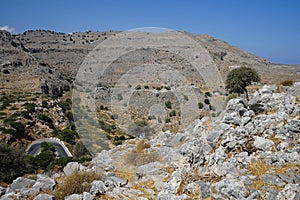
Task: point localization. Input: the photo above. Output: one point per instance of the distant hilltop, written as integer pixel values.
(37, 59)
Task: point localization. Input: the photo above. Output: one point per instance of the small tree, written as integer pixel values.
(238, 79)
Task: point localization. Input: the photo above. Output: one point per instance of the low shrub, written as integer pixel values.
(287, 83)
(200, 105)
(76, 183)
(206, 101)
(168, 104)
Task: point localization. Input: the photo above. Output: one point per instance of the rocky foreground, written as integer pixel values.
(250, 152)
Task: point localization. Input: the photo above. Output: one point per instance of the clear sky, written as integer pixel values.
(267, 28)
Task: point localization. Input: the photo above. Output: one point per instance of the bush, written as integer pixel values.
(6, 71)
(200, 105)
(66, 135)
(206, 101)
(30, 107)
(138, 87)
(287, 83)
(172, 113)
(42, 160)
(13, 163)
(168, 104)
(45, 118)
(167, 120)
(207, 94)
(76, 183)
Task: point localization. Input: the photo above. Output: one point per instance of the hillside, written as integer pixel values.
(42, 55)
(251, 151)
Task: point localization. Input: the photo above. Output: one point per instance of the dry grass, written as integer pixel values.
(141, 154)
(73, 184)
(193, 176)
(143, 186)
(125, 173)
(259, 167)
(276, 142)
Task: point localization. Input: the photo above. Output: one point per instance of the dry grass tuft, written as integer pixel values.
(141, 145)
(75, 184)
(193, 176)
(141, 154)
(259, 167)
(143, 186)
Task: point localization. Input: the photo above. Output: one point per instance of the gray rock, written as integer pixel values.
(103, 160)
(272, 179)
(294, 126)
(74, 197)
(232, 118)
(98, 188)
(203, 189)
(262, 143)
(44, 183)
(29, 191)
(271, 194)
(20, 183)
(229, 189)
(87, 196)
(285, 178)
(114, 181)
(296, 178)
(154, 168)
(289, 192)
(176, 140)
(246, 180)
(73, 167)
(254, 195)
(44, 197)
(11, 196)
(167, 196)
(268, 89)
(2, 190)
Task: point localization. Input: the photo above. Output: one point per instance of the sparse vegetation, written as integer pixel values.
(287, 83)
(168, 104)
(206, 101)
(76, 183)
(13, 163)
(200, 105)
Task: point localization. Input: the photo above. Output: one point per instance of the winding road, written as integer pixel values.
(61, 149)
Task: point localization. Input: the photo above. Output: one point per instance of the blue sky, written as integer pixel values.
(270, 29)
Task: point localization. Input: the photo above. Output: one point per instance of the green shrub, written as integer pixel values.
(172, 113)
(151, 117)
(30, 107)
(44, 118)
(207, 94)
(167, 120)
(66, 135)
(6, 71)
(168, 104)
(206, 101)
(200, 105)
(13, 163)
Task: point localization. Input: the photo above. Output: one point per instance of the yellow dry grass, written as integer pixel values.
(259, 167)
(73, 184)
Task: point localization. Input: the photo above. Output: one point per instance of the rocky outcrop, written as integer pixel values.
(244, 154)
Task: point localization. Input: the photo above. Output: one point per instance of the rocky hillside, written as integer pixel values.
(250, 152)
(46, 57)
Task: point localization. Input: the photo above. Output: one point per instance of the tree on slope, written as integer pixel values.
(238, 79)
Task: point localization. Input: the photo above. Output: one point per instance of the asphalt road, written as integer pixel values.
(35, 149)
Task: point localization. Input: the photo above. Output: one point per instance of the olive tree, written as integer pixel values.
(238, 79)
